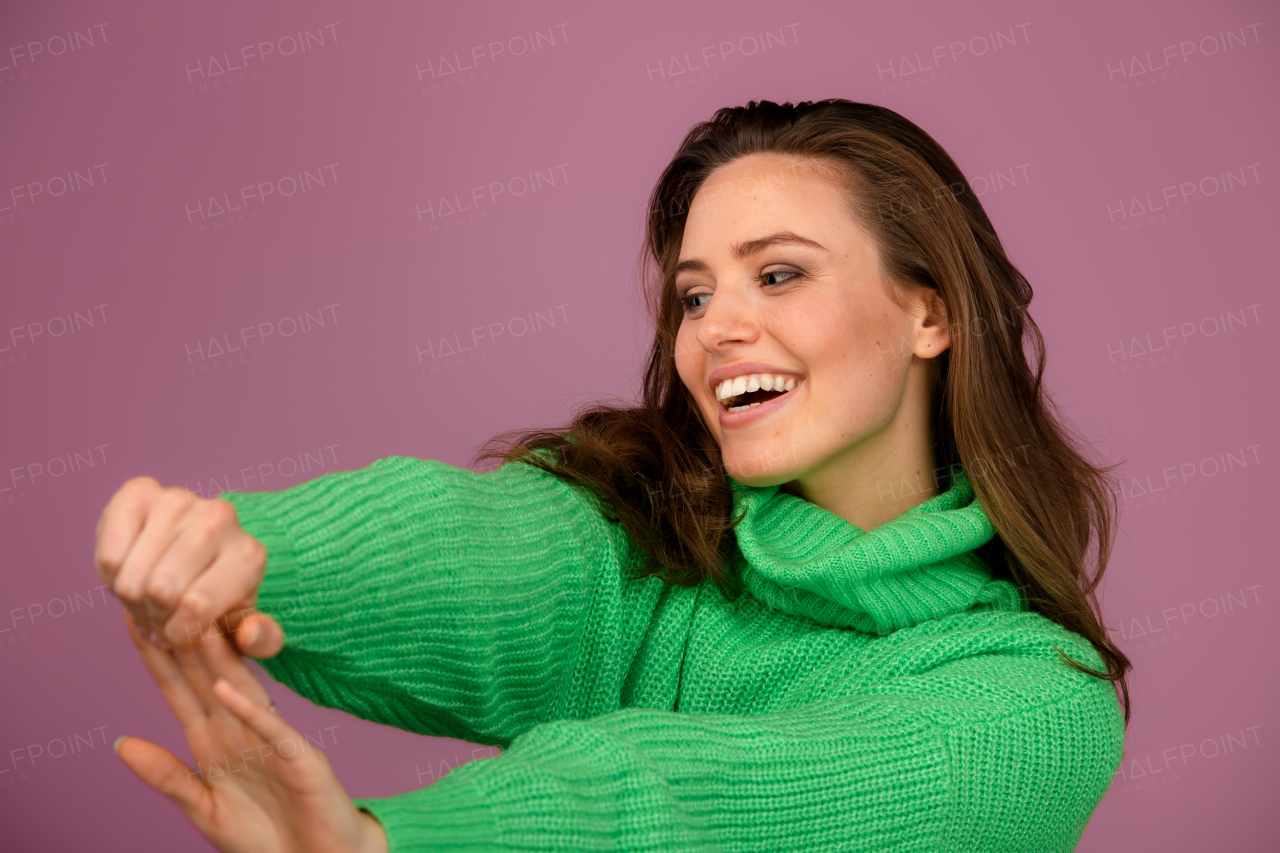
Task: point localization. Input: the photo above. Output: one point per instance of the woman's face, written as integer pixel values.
(755, 301)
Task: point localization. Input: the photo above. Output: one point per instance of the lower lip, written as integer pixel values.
(732, 420)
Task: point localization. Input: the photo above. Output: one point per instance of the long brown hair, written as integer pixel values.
(657, 470)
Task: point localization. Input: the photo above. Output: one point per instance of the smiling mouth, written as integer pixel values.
(750, 399)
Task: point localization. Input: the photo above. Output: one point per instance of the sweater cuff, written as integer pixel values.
(279, 587)
(444, 817)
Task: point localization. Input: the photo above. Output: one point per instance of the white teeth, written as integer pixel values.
(753, 382)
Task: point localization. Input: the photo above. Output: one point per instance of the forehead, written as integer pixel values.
(757, 176)
(766, 193)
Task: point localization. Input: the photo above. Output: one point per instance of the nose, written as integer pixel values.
(729, 319)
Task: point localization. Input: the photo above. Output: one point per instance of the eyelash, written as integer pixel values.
(684, 301)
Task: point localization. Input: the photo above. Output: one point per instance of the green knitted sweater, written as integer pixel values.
(869, 691)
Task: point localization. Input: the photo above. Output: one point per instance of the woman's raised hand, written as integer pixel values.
(180, 562)
(259, 786)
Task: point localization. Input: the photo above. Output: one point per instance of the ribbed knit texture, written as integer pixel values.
(869, 691)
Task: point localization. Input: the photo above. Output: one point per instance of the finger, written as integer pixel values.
(236, 616)
(195, 668)
(259, 636)
(185, 703)
(158, 530)
(118, 525)
(221, 660)
(229, 583)
(165, 772)
(267, 724)
(203, 532)
(139, 615)
(160, 595)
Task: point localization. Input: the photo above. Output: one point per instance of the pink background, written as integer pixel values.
(1159, 322)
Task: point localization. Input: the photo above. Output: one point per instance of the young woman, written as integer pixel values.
(831, 586)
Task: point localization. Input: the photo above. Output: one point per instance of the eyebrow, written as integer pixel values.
(748, 248)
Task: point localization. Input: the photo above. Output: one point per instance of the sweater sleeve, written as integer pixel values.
(444, 601)
(901, 768)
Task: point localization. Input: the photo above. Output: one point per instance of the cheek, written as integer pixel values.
(688, 357)
(856, 354)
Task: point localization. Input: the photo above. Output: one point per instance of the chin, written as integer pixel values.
(761, 463)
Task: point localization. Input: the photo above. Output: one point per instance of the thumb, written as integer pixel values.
(165, 772)
(259, 636)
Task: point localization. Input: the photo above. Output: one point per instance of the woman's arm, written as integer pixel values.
(956, 759)
(257, 786)
(448, 602)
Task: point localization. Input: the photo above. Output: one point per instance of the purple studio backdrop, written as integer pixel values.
(246, 245)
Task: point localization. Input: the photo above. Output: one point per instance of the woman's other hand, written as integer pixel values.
(260, 785)
(180, 562)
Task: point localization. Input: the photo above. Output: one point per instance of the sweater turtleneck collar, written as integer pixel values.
(804, 560)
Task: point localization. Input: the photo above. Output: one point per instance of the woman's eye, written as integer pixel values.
(778, 272)
(687, 302)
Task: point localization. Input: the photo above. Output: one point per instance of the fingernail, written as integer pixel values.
(116, 745)
(255, 634)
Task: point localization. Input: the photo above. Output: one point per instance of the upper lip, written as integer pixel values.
(746, 368)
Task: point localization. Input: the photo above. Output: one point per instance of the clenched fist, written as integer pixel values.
(179, 562)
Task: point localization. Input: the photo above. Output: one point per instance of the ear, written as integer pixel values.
(931, 332)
